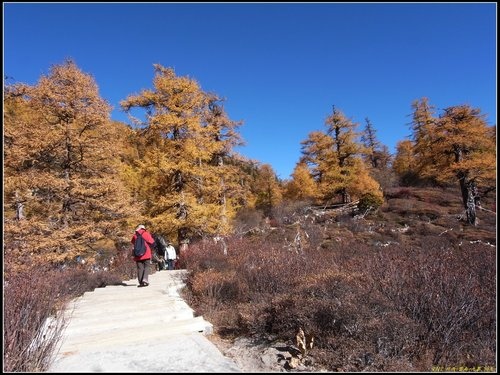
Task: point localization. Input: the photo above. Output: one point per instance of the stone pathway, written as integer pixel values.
(129, 329)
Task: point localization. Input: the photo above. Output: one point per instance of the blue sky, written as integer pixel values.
(280, 66)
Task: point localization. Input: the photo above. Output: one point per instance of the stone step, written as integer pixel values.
(107, 326)
(101, 336)
(129, 317)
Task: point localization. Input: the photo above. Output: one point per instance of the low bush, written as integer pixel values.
(391, 308)
(33, 316)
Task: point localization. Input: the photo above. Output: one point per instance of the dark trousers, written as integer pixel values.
(143, 270)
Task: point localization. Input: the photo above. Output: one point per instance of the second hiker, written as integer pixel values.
(170, 256)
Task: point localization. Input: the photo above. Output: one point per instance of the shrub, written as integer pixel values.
(288, 212)
(247, 220)
(369, 201)
(31, 301)
(392, 308)
(440, 289)
(34, 300)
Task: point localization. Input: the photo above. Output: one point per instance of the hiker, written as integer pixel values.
(142, 261)
(159, 254)
(170, 255)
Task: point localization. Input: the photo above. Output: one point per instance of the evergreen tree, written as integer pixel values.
(376, 155)
(371, 144)
(423, 127)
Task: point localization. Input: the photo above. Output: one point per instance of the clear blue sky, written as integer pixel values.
(280, 66)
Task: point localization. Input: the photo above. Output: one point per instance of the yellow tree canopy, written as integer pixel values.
(335, 160)
(62, 168)
(404, 161)
(185, 183)
(459, 146)
(302, 185)
(465, 146)
(267, 189)
(317, 153)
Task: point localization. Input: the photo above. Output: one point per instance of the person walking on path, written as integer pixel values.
(170, 256)
(159, 251)
(143, 261)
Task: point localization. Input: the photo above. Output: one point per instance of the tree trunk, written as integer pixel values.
(469, 198)
(224, 245)
(346, 197)
(19, 208)
(182, 235)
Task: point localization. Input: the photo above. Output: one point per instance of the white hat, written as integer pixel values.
(140, 227)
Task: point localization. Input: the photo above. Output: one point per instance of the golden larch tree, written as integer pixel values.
(465, 152)
(347, 173)
(222, 187)
(335, 160)
(187, 135)
(317, 154)
(61, 165)
(345, 149)
(404, 162)
(267, 189)
(423, 127)
(302, 186)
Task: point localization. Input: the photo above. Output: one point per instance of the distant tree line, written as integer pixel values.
(76, 182)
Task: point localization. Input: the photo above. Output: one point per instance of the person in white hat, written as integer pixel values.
(143, 261)
(170, 256)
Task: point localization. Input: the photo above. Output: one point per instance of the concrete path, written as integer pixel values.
(129, 329)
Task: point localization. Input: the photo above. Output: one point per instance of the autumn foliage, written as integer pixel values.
(62, 170)
(267, 257)
(455, 147)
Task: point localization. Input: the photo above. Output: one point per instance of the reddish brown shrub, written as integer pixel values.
(30, 300)
(450, 292)
(33, 301)
(385, 308)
